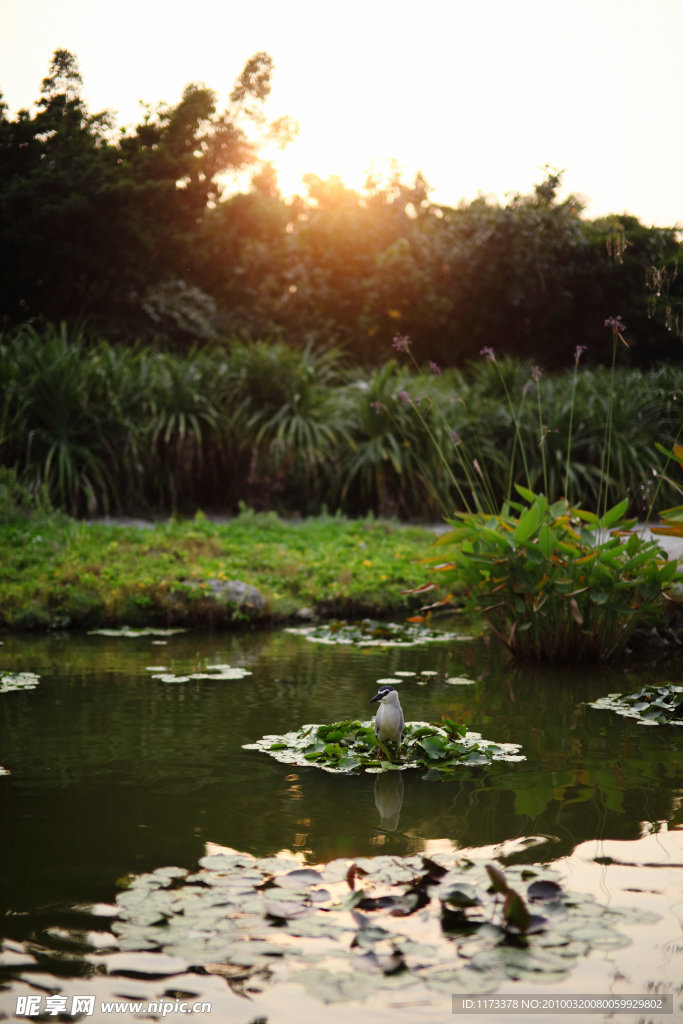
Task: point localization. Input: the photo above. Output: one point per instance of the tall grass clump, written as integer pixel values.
(108, 428)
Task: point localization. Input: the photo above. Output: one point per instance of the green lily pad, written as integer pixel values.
(369, 633)
(18, 681)
(424, 746)
(650, 705)
(129, 631)
(230, 913)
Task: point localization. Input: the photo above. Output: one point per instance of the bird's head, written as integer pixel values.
(386, 695)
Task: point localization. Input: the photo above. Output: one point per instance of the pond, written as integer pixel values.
(112, 772)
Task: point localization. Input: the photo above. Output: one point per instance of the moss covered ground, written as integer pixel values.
(60, 573)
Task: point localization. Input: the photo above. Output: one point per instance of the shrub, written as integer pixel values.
(557, 584)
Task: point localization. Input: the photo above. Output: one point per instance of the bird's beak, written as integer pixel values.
(378, 696)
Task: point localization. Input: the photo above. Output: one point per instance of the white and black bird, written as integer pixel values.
(389, 717)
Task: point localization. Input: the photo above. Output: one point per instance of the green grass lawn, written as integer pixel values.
(59, 573)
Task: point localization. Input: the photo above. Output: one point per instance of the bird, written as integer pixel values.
(389, 718)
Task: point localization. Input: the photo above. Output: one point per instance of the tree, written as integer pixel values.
(90, 218)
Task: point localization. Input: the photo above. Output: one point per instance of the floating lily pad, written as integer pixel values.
(351, 746)
(650, 705)
(130, 632)
(216, 672)
(18, 681)
(369, 633)
(237, 915)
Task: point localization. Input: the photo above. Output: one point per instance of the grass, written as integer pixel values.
(58, 573)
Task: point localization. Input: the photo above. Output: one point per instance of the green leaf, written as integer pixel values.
(546, 540)
(664, 451)
(525, 493)
(668, 572)
(453, 536)
(614, 514)
(527, 524)
(633, 545)
(599, 596)
(498, 881)
(515, 911)
(587, 517)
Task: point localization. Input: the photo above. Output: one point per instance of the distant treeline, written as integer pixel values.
(134, 231)
(131, 428)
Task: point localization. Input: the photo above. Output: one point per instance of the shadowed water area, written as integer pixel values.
(113, 772)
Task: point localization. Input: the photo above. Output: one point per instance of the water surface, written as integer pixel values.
(113, 772)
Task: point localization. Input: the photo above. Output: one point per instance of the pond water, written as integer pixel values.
(113, 772)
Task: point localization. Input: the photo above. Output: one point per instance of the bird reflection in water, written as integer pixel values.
(389, 799)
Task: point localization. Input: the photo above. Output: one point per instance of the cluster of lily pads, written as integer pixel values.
(650, 705)
(352, 745)
(130, 632)
(216, 672)
(18, 681)
(347, 930)
(369, 633)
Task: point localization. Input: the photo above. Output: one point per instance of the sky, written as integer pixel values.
(480, 96)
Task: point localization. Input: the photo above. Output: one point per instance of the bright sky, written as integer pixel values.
(478, 94)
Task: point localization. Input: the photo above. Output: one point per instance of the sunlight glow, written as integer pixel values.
(479, 96)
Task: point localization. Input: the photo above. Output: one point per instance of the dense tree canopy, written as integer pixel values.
(136, 230)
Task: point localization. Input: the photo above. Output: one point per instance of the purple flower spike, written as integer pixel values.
(436, 370)
(401, 343)
(578, 352)
(536, 373)
(488, 352)
(405, 397)
(455, 438)
(615, 322)
(377, 406)
(476, 466)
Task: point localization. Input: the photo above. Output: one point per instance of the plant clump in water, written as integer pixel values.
(650, 705)
(130, 632)
(18, 681)
(218, 673)
(557, 583)
(352, 745)
(369, 633)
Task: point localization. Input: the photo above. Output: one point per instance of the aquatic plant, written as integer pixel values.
(350, 745)
(370, 633)
(236, 916)
(10, 681)
(650, 705)
(556, 583)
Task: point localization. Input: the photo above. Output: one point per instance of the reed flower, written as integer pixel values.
(401, 343)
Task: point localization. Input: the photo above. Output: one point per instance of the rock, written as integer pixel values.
(305, 613)
(241, 594)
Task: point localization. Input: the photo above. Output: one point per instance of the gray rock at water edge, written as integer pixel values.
(241, 594)
(305, 613)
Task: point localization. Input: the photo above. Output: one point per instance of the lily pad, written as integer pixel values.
(127, 631)
(369, 633)
(351, 746)
(18, 681)
(650, 705)
(229, 918)
(216, 672)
